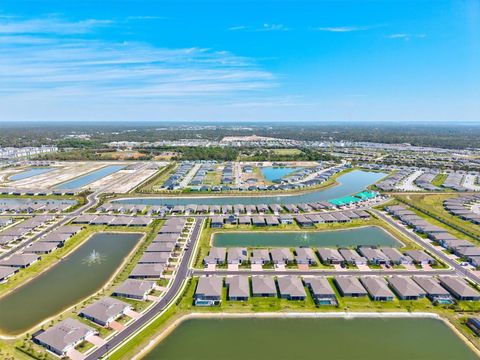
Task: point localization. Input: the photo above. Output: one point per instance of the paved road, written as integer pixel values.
(182, 273)
(222, 272)
(91, 201)
(460, 270)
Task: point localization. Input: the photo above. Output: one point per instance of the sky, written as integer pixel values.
(128, 60)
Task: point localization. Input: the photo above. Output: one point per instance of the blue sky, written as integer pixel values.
(240, 60)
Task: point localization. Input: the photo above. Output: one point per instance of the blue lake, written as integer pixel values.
(350, 183)
(276, 173)
(90, 177)
(30, 173)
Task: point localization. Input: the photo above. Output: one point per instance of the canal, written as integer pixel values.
(349, 183)
(307, 338)
(74, 278)
(367, 236)
(90, 177)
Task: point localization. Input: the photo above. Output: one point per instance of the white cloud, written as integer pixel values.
(49, 25)
(346, 29)
(406, 37)
(264, 27)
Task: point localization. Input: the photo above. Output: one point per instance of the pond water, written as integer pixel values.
(90, 177)
(350, 183)
(77, 276)
(368, 236)
(30, 173)
(272, 173)
(303, 338)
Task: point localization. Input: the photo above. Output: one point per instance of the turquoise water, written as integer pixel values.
(30, 173)
(276, 173)
(335, 339)
(90, 177)
(350, 183)
(367, 236)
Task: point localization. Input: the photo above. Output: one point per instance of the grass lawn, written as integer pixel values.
(439, 179)
(286, 151)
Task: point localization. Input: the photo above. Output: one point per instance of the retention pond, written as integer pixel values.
(367, 236)
(76, 277)
(274, 339)
(90, 177)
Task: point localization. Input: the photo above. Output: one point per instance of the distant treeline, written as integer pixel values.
(454, 135)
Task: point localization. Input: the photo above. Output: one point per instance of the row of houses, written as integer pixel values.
(155, 259)
(394, 180)
(301, 220)
(461, 207)
(23, 229)
(121, 208)
(201, 173)
(173, 181)
(38, 192)
(112, 220)
(462, 248)
(36, 206)
(33, 252)
(292, 287)
(301, 255)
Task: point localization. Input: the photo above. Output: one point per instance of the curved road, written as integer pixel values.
(182, 274)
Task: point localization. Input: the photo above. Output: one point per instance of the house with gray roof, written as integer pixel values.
(281, 255)
(64, 336)
(305, 256)
(169, 238)
(238, 287)
(396, 257)
(330, 256)
(434, 291)
(352, 257)
(260, 257)
(41, 248)
(459, 288)
(350, 286)
(6, 272)
(147, 271)
(105, 310)
(291, 287)
(406, 288)
(215, 256)
(263, 286)
(161, 247)
(322, 292)
(237, 255)
(208, 291)
(420, 257)
(155, 258)
(134, 289)
(377, 288)
(373, 255)
(20, 260)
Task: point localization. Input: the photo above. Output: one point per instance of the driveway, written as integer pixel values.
(75, 354)
(96, 340)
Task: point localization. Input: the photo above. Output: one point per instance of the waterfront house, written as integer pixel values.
(260, 256)
(459, 288)
(238, 287)
(64, 336)
(330, 256)
(208, 291)
(237, 255)
(305, 256)
(134, 289)
(281, 255)
(147, 271)
(350, 286)
(374, 256)
(434, 291)
(377, 288)
(420, 257)
(322, 292)
(352, 257)
(406, 288)
(215, 256)
(263, 286)
(291, 287)
(105, 310)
